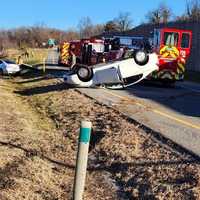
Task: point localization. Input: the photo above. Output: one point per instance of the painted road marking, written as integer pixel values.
(161, 113)
(191, 89)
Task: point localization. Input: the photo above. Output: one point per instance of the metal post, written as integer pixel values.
(44, 66)
(82, 158)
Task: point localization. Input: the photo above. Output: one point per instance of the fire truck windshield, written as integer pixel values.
(171, 39)
(185, 43)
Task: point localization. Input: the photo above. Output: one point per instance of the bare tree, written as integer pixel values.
(35, 36)
(98, 29)
(70, 34)
(166, 13)
(153, 17)
(162, 14)
(123, 21)
(192, 12)
(85, 27)
(110, 26)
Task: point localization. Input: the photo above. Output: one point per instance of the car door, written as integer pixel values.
(185, 46)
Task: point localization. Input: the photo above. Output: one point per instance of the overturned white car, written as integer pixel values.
(117, 74)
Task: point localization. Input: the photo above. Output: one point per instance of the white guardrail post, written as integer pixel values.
(82, 158)
(44, 65)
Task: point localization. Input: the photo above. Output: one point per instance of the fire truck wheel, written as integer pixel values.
(141, 57)
(84, 73)
(168, 83)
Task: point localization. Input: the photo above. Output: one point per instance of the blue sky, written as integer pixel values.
(65, 14)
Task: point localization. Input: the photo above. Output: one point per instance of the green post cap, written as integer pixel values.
(85, 135)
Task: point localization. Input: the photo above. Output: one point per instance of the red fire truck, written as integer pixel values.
(173, 47)
(85, 51)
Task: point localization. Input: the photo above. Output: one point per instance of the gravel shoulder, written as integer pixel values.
(38, 141)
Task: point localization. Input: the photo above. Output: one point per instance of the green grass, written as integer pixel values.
(192, 76)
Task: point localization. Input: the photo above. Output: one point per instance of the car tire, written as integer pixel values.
(141, 57)
(84, 73)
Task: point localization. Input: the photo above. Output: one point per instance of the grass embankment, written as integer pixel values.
(29, 144)
(38, 142)
(34, 56)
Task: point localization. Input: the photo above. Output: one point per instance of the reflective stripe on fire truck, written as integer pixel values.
(167, 51)
(172, 52)
(181, 64)
(65, 52)
(181, 67)
(180, 70)
(165, 74)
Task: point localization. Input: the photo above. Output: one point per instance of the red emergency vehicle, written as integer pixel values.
(173, 47)
(86, 51)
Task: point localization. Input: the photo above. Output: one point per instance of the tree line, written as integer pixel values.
(164, 13)
(38, 35)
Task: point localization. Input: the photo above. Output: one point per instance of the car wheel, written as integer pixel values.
(141, 57)
(84, 73)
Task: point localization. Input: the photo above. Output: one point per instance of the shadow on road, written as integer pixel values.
(176, 98)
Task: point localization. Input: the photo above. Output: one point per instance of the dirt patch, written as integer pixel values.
(41, 130)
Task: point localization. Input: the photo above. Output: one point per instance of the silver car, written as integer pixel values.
(8, 67)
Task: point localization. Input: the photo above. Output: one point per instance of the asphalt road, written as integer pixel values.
(52, 57)
(173, 112)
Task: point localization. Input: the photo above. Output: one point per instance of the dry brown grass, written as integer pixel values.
(25, 137)
(42, 124)
(36, 56)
